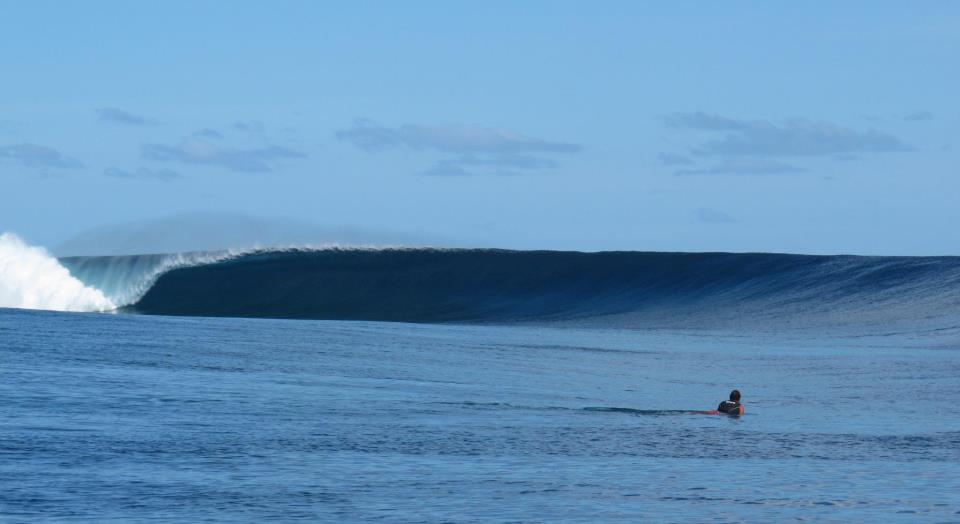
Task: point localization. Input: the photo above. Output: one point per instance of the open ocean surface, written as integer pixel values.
(475, 385)
(151, 418)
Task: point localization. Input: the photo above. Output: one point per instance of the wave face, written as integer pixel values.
(30, 278)
(124, 279)
(619, 289)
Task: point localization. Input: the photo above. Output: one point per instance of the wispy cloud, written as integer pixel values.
(737, 146)
(743, 166)
(462, 139)
(674, 159)
(447, 168)
(119, 116)
(918, 116)
(794, 137)
(472, 147)
(203, 152)
(713, 216)
(208, 133)
(144, 173)
(252, 126)
(37, 156)
(465, 165)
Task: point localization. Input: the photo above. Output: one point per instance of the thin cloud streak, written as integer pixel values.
(673, 159)
(119, 116)
(208, 133)
(143, 173)
(460, 139)
(794, 137)
(472, 147)
(37, 156)
(201, 152)
(918, 116)
(709, 215)
(743, 166)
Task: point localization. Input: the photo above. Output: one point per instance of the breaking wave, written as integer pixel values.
(30, 278)
(607, 289)
(124, 279)
(615, 289)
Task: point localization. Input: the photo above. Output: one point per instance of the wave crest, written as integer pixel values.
(615, 289)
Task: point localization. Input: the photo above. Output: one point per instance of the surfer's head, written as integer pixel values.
(735, 395)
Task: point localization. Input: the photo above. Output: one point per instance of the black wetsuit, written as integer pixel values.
(730, 407)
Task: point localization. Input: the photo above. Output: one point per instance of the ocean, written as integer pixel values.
(355, 385)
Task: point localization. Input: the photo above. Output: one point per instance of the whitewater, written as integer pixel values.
(30, 278)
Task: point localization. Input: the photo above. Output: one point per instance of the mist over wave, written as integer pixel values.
(30, 278)
(218, 231)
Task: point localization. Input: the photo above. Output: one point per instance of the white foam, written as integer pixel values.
(30, 278)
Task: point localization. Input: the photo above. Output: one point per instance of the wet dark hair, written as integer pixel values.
(735, 395)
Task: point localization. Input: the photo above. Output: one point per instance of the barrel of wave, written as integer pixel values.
(31, 278)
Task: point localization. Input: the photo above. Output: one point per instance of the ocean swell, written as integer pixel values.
(606, 289)
(617, 289)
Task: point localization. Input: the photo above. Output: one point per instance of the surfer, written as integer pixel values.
(732, 406)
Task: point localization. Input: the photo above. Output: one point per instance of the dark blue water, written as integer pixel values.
(609, 289)
(150, 418)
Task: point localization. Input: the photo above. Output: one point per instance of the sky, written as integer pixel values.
(804, 127)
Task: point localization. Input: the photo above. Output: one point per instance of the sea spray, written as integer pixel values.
(30, 278)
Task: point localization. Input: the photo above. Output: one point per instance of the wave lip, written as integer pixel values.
(30, 278)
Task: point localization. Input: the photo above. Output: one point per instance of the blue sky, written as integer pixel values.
(813, 127)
